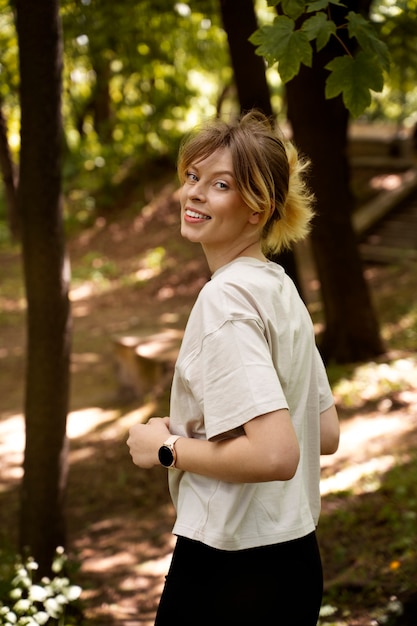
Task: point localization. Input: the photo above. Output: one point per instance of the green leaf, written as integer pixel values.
(280, 42)
(320, 28)
(364, 32)
(354, 77)
(264, 39)
(319, 5)
(293, 8)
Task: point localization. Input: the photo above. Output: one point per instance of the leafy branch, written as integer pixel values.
(353, 74)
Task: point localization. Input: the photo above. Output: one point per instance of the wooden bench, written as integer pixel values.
(145, 363)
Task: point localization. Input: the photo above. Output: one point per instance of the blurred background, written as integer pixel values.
(96, 282)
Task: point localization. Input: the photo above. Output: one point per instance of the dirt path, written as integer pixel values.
(120, 517)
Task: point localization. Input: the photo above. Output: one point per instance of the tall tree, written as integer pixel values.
(250, 79)
(46, 270)
(320, 130)
(248, 68)
(9, 176)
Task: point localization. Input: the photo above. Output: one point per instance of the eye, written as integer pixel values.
(222, 185)
(190, 177)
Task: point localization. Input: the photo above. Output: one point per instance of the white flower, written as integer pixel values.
(31, 564)
(59, 584)
(22, 606)
(53, 608)
(73, 593)
(37, 593)
(41, 617)
(15, 593)
(327, 610)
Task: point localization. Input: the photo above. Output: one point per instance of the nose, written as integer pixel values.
(196, 192)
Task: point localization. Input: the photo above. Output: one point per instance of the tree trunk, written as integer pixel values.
(239, 21)
(251, 84)
(46, 272)
(9, 178)
(101, 103)
(320, 131)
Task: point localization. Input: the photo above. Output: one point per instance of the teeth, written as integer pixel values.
(196, 215)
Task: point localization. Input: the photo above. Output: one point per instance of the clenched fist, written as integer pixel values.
(146, 439)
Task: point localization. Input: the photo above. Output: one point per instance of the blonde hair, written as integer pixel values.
(268, 172)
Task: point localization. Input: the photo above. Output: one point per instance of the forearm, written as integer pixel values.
(329, 431)
(268, 451)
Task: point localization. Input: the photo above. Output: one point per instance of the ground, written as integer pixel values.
(134, 274)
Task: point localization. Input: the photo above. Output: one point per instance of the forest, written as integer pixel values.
(96, 282)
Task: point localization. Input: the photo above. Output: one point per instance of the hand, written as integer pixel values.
(146, 439)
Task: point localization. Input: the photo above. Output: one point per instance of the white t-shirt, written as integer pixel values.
(248, 349)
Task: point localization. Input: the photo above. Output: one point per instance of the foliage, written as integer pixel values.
(9, 74)
(128, 98)
(354, 73)
(368, 545)
(129, 93)
(366, 532)
(374, 383)
(9, 83)
(26, 603)
(396, 25)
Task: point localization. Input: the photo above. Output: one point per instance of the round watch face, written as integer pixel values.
(165, 455)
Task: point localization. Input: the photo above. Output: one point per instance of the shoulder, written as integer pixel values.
(245, 289)
(235, 286)
(247, 276)
(231, 294)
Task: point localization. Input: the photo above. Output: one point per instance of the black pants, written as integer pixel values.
(278, 585)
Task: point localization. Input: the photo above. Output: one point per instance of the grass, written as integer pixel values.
(369, 545)
(367, 530)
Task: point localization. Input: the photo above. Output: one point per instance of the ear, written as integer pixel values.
(254, 218)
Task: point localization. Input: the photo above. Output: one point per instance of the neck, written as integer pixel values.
(216, 259)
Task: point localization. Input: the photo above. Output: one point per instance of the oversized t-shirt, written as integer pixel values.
(248, 349)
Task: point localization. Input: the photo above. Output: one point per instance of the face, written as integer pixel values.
(213, 212)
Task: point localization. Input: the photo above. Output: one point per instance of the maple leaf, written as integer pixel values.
(354, 77)
(280, 42)
(319, 5)
(320, 28)
(293, 8)
(364, 32)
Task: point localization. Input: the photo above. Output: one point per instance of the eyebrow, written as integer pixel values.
(218, 173)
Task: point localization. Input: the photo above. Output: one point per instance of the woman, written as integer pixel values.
(251, 406)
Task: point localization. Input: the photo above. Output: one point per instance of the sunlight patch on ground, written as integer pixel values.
(80, 294)
(107, 562)
(85, 358)
(387, 182)
(155, 567)
(87, 420)
(358, 478)
(12, 443)
(364, 452)
(375, 381)
(85, 290)
(80, 423)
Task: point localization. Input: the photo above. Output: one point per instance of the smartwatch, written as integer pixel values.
(166, 454)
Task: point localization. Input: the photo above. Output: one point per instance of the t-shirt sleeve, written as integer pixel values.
(233, 378)
(326, 399)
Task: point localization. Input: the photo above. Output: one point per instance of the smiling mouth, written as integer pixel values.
(196, 215)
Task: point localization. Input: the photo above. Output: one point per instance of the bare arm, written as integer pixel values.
(329, 431)
(267, 451)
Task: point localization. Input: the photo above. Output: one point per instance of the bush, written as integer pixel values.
(26, 603)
